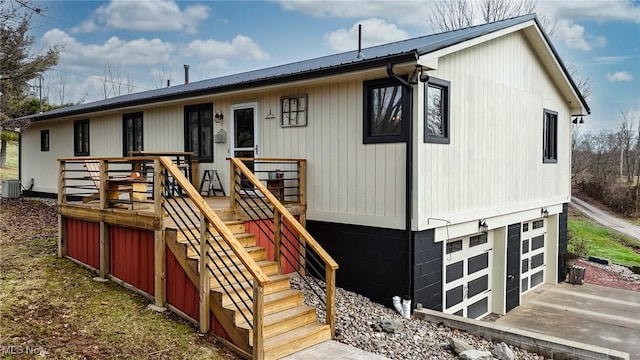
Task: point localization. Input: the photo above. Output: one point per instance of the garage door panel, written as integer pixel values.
(478, 308)
(455, 271)
(532, 259)
(454, 296)
(537, 242)
(477, 263)
(537, 261)
(478, 286)
(467, 282)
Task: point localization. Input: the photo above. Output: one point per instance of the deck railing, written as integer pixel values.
(293, 246)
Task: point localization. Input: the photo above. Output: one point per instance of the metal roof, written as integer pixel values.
(376, 56)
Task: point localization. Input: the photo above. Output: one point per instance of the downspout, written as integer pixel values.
(408, 184)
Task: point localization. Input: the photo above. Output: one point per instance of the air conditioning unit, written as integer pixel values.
(10, 189)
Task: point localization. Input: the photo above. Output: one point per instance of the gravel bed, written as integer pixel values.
(620, 270)
(357, 317)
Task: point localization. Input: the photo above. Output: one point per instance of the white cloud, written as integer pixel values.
(620, 76)
(374, 32)
(574, 36)
(241, 46)
(113, 51)
(598, 10)
(610, 59)
(401, 12)
(147, 15)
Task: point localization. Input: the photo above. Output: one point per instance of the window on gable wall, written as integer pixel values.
(198, 128)
(550, 137)
(436, 111)
(81, 138)
(44, 140)
(132, 133)
(386, 106)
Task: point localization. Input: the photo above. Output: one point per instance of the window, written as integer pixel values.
(81, 138)
(436, 111)
(477, 240)
(198, 131)
(550, 137)
(454, 246)
(44, 140)
(294, 110)
(132, 133)
(386, 105)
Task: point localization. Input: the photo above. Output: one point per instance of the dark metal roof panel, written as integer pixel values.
(309, 68)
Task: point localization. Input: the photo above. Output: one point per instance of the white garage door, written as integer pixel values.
(532, 261)
(467, 279)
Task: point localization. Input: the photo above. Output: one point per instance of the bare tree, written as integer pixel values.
(447, 15)
(160, 77)
(115, 82)
(626, 139)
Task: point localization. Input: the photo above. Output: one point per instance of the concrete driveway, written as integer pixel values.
(587, 313)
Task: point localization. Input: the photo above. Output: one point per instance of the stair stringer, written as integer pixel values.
(239, 337)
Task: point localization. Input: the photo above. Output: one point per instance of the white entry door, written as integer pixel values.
(532, 264)
(244, 130)
(467, 276)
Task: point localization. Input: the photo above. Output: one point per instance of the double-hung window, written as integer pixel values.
(386, 111)
(132, 133)
(436, 111)
(81, 138)
(550, 137)
(198, 127)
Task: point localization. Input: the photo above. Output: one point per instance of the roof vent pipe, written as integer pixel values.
(360, 55)
(186, 74)
(168, 82)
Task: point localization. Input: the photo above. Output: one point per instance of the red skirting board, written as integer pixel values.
(184, 296)
(131, 257)
(263, 230)
(180, 290)
(83, 241)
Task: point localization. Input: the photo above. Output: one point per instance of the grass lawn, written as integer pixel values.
(10, 171)
(52, 304)
(603, 242)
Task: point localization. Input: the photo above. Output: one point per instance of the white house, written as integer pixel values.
(438, 167)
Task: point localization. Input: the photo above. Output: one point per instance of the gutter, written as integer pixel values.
(408, 179)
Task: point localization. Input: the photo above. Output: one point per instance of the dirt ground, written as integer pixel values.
(51, 307)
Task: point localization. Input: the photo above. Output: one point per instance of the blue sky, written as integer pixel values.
(148, 41)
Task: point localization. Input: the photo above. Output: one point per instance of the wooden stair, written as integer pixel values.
(288, 325)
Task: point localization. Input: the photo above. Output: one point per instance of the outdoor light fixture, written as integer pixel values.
(418, 74)
(578, 121)
(218, 116)
(270, 116)
(482, 225)
(544, 212)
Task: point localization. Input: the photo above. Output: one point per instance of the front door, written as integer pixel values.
(244, 139)
(244, 130)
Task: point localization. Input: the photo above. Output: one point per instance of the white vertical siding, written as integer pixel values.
(493, 164)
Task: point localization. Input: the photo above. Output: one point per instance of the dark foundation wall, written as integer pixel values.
(372, 260)
(563, 237)
(427, 270)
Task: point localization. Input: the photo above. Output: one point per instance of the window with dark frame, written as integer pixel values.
(294, 110)
(132, 133)
(198, 131)
(436, 111)
(44, 140)
(81, 138)
(550, 137)
(386, 105)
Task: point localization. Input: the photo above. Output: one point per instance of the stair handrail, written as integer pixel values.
(226, 234)
(322, 253)
(330, 264)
